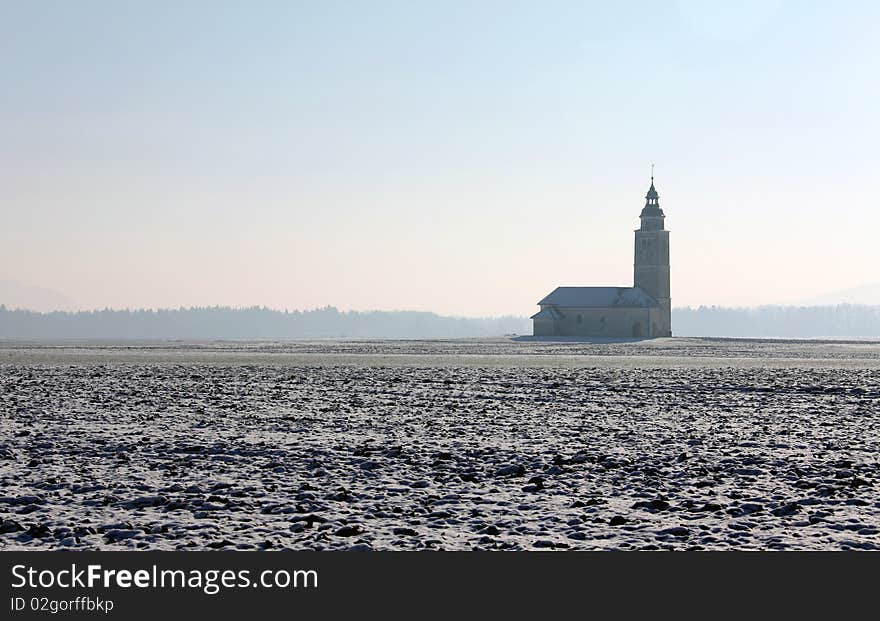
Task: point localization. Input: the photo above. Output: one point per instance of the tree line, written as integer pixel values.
(223, 322)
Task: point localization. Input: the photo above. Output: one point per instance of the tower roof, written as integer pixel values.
(652, 191)
(652, 204)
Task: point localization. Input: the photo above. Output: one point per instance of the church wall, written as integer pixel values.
(660, 323)
(651, 266)
(651, 273)
(543, 327)
(610, 322)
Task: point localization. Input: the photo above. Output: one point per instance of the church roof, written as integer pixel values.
(599, 297)
(547, 313)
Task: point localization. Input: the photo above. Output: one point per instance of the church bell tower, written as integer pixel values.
(652, 260)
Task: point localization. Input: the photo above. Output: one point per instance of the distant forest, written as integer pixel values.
(220, 322)
(844, 320)
(264, 323)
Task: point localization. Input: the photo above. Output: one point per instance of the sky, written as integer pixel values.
(458, 157)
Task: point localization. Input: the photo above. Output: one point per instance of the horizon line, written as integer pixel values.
(329, 307)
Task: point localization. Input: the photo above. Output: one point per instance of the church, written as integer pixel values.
(640, 311)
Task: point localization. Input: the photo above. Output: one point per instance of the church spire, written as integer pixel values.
(652, 216)
(652, 198)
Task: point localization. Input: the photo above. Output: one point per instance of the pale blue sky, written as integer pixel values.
(462, 157)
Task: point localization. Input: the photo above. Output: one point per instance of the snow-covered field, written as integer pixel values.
(484, 443)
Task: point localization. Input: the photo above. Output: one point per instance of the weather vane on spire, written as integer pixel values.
(652, 173)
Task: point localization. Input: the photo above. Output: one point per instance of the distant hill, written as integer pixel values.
(17, 295)
(866, 294)
(844, 321)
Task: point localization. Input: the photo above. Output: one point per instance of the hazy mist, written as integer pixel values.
(456, 157)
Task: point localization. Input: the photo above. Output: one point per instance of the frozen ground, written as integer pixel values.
(499, 444)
